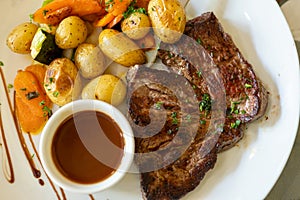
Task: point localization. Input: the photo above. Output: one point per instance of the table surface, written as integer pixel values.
(288, 185)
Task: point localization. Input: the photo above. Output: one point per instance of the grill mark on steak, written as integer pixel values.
(159, 140)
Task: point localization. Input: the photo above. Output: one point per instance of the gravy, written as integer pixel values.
(88, 147)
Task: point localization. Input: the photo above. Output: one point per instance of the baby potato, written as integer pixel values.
(88, 92)
(62, 83)
(20, 38)
(136, 26)
(110, 89)
(90, 60)
(120, 48)
(168, 19)
(71, 32)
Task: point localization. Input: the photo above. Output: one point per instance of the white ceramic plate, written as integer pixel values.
(247, 171)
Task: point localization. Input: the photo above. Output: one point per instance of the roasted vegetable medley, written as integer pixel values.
(83, 49)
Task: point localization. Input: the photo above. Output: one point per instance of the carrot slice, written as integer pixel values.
(53, 12)
(39, 72)
(29, 122)
(119, 6)
(116, 20)
(105, 20)
(31, 100)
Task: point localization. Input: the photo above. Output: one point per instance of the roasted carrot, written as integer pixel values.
(115, 9)
(116, 20)
(32, 103)
(39, 72)
(119, 6)
(104, 20)
(29, 122)
(57, 10)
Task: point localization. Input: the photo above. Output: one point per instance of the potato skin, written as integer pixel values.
(71, 32)
(88, 92)
(110, 89)
(168, 19)
(136, 26)
(120, 48)
(62, 83)
(20, 38)
(90, 60)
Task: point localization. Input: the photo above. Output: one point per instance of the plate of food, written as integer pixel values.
(240, 132)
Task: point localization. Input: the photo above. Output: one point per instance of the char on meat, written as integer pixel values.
(184, 115)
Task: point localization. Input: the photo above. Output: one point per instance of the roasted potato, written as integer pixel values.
(110, 89)
(118, 47)
(20, 38)
(71, 32)
(88, 92)
(62, 83)
(90, 60)
(168, 19)
(136, 26)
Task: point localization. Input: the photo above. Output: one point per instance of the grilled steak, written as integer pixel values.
(174, 150)
(177, 134)
(246, 98)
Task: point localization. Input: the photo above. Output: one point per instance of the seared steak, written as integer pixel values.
(174, 148)
(184, 115)
(246, 98)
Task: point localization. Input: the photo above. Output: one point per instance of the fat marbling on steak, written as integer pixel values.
(171, 111)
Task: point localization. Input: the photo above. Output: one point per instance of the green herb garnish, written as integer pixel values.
(158, 105)
(205, 103)
(47, 111)
(32, 95)
(55, 93)
(131, 9)
(235, 124)
(174, 118)
(248, 86)
(45, 2)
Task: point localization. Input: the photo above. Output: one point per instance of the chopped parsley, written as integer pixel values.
(174, 118)
(199, 41)
(55, 94)
(45, 2)
(235, 124)
(199, 73)
(131, 9)
(47, 111)
(32, 95)
(42, 103)
(31, 17)
(233, 108)
(51, 79)
(23, 89)
(248, 86)
(205, 103)
(109, 4)
(45, 12)
(1, 63)
(202, 122)
(10, 86)
(158, 105)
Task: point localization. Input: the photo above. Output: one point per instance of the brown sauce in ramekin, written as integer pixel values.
(88, 147)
